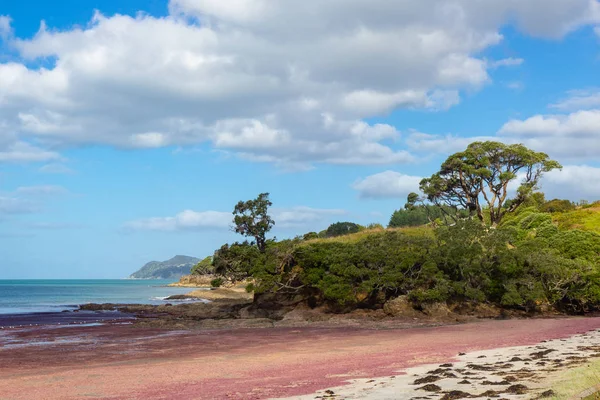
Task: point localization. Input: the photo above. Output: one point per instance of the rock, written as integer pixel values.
(303, 313)
(436, 310)
(400, 307)
(221, 293)
(180, 297)
(194, 281)
(487, 311)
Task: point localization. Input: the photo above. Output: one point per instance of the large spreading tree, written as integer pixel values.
(251, 219)
(479, 178)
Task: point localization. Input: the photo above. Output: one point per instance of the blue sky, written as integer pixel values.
(128, 132)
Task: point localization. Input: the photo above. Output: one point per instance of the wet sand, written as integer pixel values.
(61, 318)
(127, 362)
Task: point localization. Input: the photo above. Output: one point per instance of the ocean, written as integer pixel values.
(51, 296)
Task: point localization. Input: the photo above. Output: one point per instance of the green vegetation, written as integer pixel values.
(342, 228)
(420, 215)
(482, 173)
(217, 282)
(576, 380)
(519, 253)
(204, 267)
(585, 218)
(251, 219)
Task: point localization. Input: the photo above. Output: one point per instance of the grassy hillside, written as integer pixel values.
(584, 218)
(420, 231)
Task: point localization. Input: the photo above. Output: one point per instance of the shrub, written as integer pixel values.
(310, 236)
(342, 228)
(557, 205)
(359, 272)
(217, 282)
(204, 267)
(420, 215)
(235, 262)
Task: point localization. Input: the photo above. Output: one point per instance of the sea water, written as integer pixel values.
(44, 296)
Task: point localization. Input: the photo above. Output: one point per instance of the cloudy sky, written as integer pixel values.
(128, 132)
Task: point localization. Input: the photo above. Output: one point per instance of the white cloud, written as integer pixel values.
(41, 190)
(249, 134)
(573, 136)
(27, 199)
(516, 85)
(441, 144)
(15, 205)
(22, 152)
(303, 216)
(573, 182)
(55, 168)
(293, 217)
(580, 123)
(388, 184)
(149, 140)
(370, 102)
(256, 77)
(54, 225)
(186, 220)
(5, 27)
(579, 100)
(506, 62)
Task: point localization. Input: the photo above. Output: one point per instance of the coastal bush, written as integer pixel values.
(374, 268)
(204, 267)
(310, 236)
(217, 282)
(576, 244)
(342, 228)
(585, 218)
(235, 262)
(527, 262)
(375, 225)
(557, 205)
(420, 215)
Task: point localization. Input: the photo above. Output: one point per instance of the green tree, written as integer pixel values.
(251, 219)
(342, 228)
(235, 262)
(204, 267)
(417, 213)
(482, 174)
(411, 200)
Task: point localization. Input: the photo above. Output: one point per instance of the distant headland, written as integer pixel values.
(174, 268)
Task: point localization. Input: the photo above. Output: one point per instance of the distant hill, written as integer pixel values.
(174, 268)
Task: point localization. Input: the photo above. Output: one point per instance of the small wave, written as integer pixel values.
(188, 300)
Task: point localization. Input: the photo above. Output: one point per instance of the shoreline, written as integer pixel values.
(135, 362)
(520, 372)
(65, 318)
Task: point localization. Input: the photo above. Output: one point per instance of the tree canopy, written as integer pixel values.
(479, 178)
(251, 219)
(342, 228)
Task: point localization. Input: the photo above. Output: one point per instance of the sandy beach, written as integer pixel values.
(121, 361)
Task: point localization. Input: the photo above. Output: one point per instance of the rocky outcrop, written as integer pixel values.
(401, 307)
(215, 294)
(193, 281)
